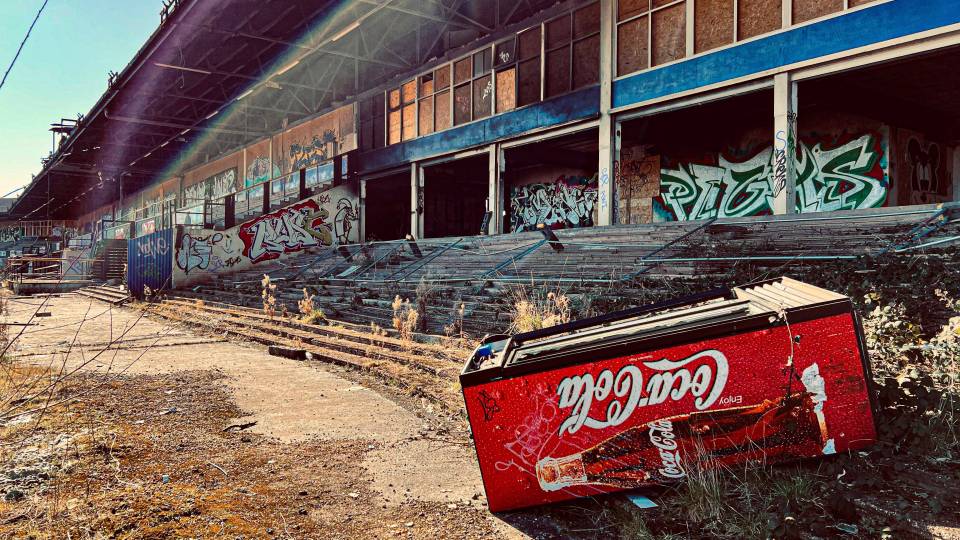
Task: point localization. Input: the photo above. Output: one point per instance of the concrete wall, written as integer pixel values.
(328, 218)
(559, 197)
(842, 164)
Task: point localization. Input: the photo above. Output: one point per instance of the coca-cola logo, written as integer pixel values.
(663, 439)
(702, 376)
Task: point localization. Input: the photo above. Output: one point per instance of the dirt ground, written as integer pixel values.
(162, 431)
(149, 456)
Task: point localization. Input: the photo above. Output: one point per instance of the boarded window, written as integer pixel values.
(461, 104)
(409, 92)
(632, 46)
(462, 70)
(558, 32)
(394, 127)
(482, 97)
(506, 90)
(530, 43)
(529, 85)
(426, 115)
(442, 108)
(586, 61)
(631, 8)
(668, 34)
(409, 122)
(805, 10)
(426, 85)
(756, 17)
(586, 21)
(394, 99)
(558, 71)
(441, 76)
(713, 24)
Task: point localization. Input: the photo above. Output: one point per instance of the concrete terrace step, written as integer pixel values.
(438, 388)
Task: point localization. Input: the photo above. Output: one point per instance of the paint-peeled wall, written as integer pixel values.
(328, 218)
(556, 197)
(840, 165)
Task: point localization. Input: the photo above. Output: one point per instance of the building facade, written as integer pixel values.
(601, 113)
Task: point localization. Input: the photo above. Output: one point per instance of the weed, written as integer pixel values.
(455, 328)
(404, 318)
(309, 313)
(267, 293)
(425, 291)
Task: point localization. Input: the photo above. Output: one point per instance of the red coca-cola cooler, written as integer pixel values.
(771, 371)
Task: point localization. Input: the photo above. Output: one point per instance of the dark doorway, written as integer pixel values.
(388, 207)
(455, 197)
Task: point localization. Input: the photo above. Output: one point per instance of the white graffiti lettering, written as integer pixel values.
(215, 187)
(565, 203)
(194, 252)
(286, 231)
(671, 380)
(842, 178)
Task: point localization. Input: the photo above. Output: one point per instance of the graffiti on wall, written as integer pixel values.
(845, 177)
(293, 228)
(11, 233)
(215, 187)
(318, 140)
(258, 171)
(297, 227)
(924, 173)
(311, 153)
(567, 202)
(207, 252)
(328, 218)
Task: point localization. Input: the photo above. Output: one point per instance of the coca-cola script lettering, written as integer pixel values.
(702, 375)
(664, 439)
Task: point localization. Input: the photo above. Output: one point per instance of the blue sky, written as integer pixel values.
(62, 70)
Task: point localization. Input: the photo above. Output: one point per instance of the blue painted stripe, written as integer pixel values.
(875, 24)
(579, 105)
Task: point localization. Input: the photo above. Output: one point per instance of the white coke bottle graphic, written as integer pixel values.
(656, 452)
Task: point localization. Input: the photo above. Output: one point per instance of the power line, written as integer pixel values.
(22, 43)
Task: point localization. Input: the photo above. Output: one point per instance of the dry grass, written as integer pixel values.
(532, 310)
(405, 318)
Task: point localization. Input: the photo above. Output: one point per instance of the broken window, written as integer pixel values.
(371, 118)
(557, 47)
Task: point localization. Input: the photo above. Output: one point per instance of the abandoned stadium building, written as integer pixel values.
(243, 133)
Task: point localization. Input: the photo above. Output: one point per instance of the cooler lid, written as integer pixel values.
(692, 318)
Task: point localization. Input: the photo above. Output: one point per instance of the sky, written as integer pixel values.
(62, 70)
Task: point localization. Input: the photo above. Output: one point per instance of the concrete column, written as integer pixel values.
(416, 198)
(493, 191)
(605, 202)
(784, 183)
(362, 211)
